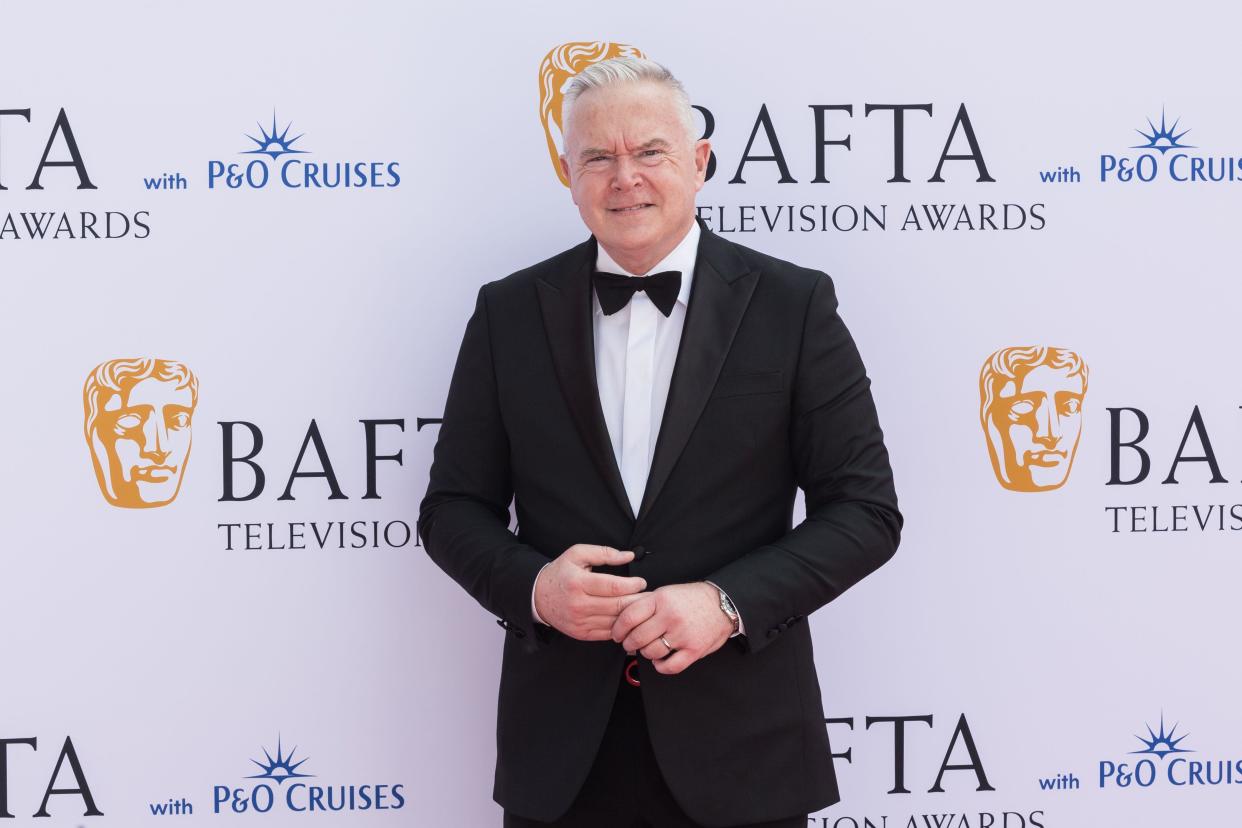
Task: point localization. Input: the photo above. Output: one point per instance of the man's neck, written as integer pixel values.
(640, 262)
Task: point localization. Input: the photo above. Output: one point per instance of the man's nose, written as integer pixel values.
(155, 440)
(1048, 425)
(627, 173)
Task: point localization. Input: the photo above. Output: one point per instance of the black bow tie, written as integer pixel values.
(615, 291)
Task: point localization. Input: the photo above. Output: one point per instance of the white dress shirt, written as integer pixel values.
(635, 351)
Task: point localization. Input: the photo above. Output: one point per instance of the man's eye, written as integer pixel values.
(128, 421)
(595, 158)
(1021, 408)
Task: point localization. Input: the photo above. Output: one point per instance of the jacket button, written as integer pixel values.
(773, 632)
(640, 552)
(791, 620)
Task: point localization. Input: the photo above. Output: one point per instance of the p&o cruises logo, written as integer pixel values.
(1164, 155)
(1164, 764)
(271, 793)
(271, 166)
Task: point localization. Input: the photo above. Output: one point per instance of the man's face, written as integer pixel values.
(142, 438)
(1038, 419)
(633, 170)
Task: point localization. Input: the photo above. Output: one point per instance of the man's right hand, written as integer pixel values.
(584, 604)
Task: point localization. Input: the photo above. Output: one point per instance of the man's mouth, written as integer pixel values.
(633, 208)
(1044, 458)
(153, 474)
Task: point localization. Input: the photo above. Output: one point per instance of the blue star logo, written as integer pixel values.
(275, 142)
(1163, 138)
(1161, 744)
(281, 768)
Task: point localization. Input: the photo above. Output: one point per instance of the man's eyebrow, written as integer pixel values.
(654, 143)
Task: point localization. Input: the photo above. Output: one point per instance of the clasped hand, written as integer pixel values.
(593, 606)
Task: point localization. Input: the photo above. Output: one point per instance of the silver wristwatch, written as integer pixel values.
(726, 606)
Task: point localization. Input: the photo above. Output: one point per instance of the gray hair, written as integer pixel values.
(628, 70)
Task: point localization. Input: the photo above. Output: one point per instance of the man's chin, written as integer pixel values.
(628, 238)
(157, 494)
(1048, 477)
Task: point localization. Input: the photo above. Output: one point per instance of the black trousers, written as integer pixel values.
(625, 788)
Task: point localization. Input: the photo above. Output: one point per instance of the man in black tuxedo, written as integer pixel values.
(651, 400)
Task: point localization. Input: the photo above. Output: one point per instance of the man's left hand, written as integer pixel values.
(687, 615)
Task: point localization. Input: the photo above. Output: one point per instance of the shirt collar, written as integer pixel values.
(682, 257)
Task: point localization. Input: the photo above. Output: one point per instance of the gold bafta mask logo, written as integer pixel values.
(556, 70)
(139, 414)
(1031, 412)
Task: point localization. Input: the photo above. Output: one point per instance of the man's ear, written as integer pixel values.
(702, 153)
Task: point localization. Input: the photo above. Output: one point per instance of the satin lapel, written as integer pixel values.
(719, 296)
(565, 301)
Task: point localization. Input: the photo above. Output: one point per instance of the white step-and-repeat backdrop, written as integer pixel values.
(239, 244)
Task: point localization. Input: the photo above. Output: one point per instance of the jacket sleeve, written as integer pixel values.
(463, 520)
(852, 524)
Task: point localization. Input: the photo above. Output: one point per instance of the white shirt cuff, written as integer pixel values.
(534, 612)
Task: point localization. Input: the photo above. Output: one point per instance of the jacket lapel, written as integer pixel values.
(719, 296)
(565, 301)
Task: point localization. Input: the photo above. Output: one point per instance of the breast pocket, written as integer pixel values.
(748, 383)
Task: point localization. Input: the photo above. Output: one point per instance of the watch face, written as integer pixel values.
(726, 605)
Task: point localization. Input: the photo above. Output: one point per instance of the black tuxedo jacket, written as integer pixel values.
(768, 394)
